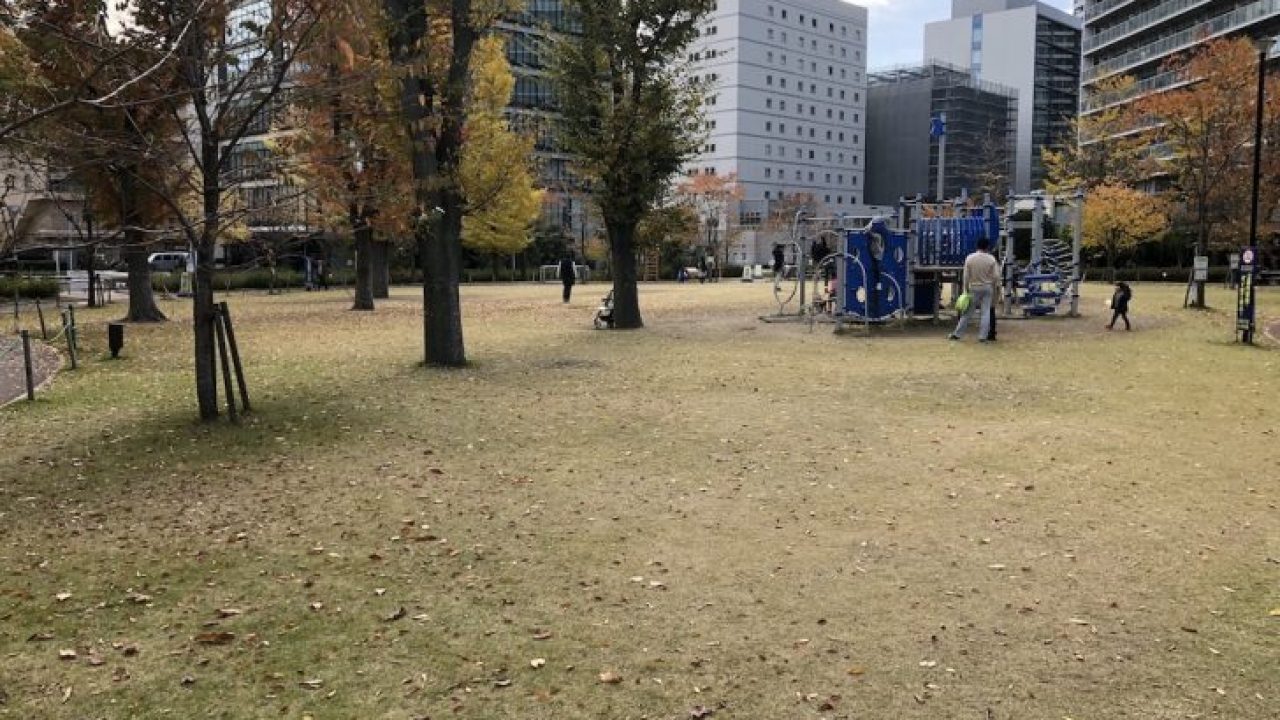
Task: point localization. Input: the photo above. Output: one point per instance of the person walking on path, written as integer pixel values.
(981, 279)
(568, 275)
(779, 264)
(1120, 305)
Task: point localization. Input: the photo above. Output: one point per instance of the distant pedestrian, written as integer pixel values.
(779, 263)
(981, 279)
(1120, 305)
(712, 275)
(322, 272)
(702, 270)
(568, 275)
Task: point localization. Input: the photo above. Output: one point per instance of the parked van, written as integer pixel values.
(168, 261)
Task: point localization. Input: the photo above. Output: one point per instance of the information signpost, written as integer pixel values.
(1246, 307)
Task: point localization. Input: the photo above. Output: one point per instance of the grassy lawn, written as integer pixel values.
(712, 515)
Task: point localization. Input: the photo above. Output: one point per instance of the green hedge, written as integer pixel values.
(256, 279)
(28, 287)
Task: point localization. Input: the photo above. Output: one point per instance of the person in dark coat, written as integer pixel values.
(568, 275)
(1120, 305)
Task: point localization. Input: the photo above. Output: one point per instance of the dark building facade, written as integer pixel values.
(902, 158)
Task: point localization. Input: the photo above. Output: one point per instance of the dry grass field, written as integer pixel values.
(711, 517)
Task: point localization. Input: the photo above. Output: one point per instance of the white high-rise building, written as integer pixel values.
(786, 111)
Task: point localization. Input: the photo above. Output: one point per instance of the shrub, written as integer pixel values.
(28, 287)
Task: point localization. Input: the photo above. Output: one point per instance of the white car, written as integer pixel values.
(168, 261)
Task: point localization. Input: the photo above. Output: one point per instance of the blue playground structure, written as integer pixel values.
(888, 271)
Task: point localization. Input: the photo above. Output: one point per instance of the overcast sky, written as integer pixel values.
(897, 28)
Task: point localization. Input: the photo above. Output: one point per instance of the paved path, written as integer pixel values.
(13, 383)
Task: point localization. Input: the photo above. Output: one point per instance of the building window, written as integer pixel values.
(782, 104)
(770, 33)
(768, 103)
(768, 173)
(768, 127)
(768, 80)
(811, 176)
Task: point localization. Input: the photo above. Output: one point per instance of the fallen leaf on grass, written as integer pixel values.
(314, 684)
(608, 677)
(66, 695)
(501, 683)
(857, 670)
(1275, 612)
(62, 596)
(229, 612)
(215, 638)
(537, 663)
(67, 654)
(542, 635)
(40, 637)
(397, 615)
(700, 712)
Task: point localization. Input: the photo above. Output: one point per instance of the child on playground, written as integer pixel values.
(1120, 305)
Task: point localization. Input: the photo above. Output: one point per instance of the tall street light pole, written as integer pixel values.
(1264, 46)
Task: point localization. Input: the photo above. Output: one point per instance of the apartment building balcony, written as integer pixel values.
(1103, 9)
(1218, 26)
(1143, 21)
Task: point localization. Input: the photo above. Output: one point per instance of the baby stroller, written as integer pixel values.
(604, 313)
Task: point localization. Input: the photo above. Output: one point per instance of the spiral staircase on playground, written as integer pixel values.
(1051, 276)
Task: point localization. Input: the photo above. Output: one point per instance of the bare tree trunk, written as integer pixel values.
(442, 261)
(379, 253)
(91, 266)
(203, 318)
(364, 267)
(142, 297)
(626, 294)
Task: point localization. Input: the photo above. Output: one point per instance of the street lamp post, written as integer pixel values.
(1257, 138)
(1264, 47)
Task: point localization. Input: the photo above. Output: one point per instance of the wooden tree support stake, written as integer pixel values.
(226, 365)
(225, 316)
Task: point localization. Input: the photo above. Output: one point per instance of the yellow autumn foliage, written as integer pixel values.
(496, 174)
(1118, 218)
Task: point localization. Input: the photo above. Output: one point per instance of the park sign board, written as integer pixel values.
(1246, 301)
(1201, 268)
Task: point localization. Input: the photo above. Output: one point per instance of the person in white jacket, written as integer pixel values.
(981, 279)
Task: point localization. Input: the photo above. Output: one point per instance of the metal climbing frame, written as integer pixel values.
(886, 272)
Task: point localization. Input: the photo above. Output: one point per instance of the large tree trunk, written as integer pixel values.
(442, 266)
(364, 267)
(142, 298)
(626, 294)
(381, 268)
